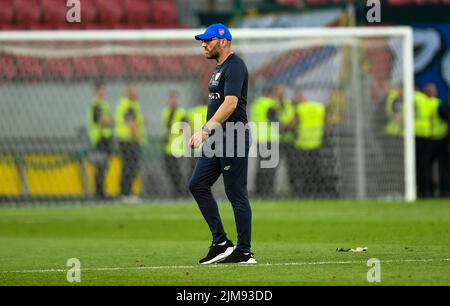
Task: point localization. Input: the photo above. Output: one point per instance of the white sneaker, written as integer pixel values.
(239, 257)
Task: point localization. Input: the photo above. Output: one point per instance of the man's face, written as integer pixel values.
(101, 92)
(132, 92)
(173, 100)
(298, 98)
(212, 48)
(431, 90)
(280, 91)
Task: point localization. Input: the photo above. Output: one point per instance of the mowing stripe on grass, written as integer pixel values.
(223, 266)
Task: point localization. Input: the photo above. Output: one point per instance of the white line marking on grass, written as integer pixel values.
(225, 266)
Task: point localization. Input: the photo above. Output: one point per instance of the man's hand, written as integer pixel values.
(197, 139)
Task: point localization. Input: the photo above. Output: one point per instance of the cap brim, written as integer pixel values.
(203, 36)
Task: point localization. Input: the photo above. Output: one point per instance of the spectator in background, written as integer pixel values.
(393, 140)
(423, 112)
(100, 133)
(173, 115)
(130, 133)
(310, 124)
(264, 112)
(197, 119)
(439, 140)
(334, 130)
(285, 113)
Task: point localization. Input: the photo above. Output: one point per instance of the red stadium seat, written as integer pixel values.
(95, 26)
(197, 65)
(86, 66)
(165, 12)
(54, 12)
(59, 67)
(110, 11)
(28, 12)
(11, 27)
(113, 65)
(7, 67)
(170, 65)
(70, 26)
(7, 10)
(41, 27)
(166, 26)
(142, 65)
(129, 26)
(138, 11)
(89, 12)
(30, 67)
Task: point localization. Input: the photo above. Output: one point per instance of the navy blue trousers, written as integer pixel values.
(234, 171)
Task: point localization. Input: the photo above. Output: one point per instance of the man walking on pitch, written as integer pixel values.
(226, 109)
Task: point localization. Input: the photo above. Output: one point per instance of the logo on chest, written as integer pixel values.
(215, 78)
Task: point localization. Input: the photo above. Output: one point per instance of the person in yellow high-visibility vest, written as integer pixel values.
(172, 117)
(131, 135)
(100, 124)
(439, 140)
(263, 112)
(393, 141)
(285, 113)
(423, 112)
(197, 119)
(310, 123)
(394, 112)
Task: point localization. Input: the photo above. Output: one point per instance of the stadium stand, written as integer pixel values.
(89, 12)
(165, 12)
(95, 15)
(113, 65)
(142, 65)
(30, 68)
(85, 67)
(110, 12)
(138, 12)
(28, 13)
(7, 11)
(170, 65)
(53, 15)
(60, 67)
(7, 67)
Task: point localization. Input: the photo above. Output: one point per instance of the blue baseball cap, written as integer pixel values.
(216, 30)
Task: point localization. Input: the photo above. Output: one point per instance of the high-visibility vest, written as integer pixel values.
(311, 124)
(259, 114)
(123, 132)
(394, 127)
(423, 112)
(439, 126)
(286, 113)
(197, 119)
(170, 118)
(96, 131)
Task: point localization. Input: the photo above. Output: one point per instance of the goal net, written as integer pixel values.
(357, 75)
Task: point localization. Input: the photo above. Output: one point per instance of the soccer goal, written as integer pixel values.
(47, 79)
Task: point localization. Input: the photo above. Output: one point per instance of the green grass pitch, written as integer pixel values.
(294, 242)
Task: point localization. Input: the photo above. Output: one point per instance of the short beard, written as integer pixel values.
(215, 54)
